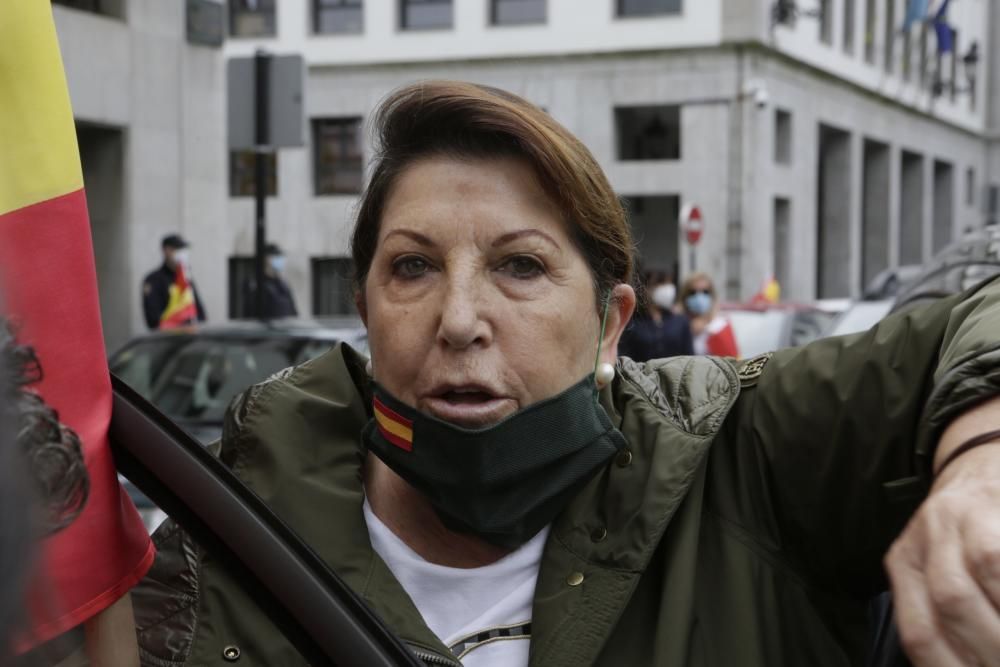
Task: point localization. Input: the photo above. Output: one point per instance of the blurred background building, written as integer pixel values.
(823, 140)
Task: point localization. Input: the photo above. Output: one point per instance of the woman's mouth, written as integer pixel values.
(468, 406)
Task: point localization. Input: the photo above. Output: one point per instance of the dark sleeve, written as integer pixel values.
(198, 304)
(154, 301)
(828, 450)
(684, 336)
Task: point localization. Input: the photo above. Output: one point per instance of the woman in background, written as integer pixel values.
(712, 333)
(656, 331)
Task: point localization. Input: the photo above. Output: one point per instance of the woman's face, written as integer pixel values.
(478, 303)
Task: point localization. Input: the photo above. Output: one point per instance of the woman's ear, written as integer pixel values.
(621, 305)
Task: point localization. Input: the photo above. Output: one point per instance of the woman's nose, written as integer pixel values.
(462, 315)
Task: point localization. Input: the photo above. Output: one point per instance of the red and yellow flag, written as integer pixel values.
(393, 426)
(181, 308)
(48, 287)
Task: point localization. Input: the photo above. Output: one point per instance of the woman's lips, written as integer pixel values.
(471, 410)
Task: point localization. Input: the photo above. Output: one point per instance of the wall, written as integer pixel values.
(567, 30)
(165, 97)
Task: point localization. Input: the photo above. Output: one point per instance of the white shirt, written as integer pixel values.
(483, 613)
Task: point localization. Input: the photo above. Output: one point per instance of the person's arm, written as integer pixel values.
(945, 568)
(198, 304)
(833, 443)
(154, 302)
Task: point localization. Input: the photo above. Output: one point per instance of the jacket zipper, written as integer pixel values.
(434, 658)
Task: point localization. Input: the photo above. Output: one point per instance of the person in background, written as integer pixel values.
(169, 297)
(278, 298)
(712, 332)
(656, 331)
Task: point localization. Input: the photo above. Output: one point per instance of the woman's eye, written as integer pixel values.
(410, 267)
(523, 267)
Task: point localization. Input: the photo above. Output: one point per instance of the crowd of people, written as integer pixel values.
(668, 324)
(170, 298)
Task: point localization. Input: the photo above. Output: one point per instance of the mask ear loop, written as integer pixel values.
(601, 376)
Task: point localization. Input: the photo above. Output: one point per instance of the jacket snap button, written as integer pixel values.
(599, 534)
(231, 653)
(624, 458)
(575, 579)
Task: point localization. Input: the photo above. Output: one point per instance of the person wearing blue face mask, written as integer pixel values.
(711, 331)
(279, 301)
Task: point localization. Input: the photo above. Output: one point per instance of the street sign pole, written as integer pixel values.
(693, 227)
(262, 66)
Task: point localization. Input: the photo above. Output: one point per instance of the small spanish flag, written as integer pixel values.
(394, 427)
(181, 309)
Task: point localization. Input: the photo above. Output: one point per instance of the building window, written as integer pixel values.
(871, 21)
(849, 26)
(337, 155)
(648, 133)
(114, 8)
(242, 270)
(241, 174)
(908, 54)
(338, 17)
(517, 12)
(648, 7)
(925, 77)
(782, 241)
(826, 21)
(890, 37)
(332, 286)
(425, 14)
(782, 136)
(252, 18)
(970, 187)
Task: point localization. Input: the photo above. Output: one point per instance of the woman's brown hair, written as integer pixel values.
(465, 120)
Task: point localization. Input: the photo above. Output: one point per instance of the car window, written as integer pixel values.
(808, 325)
(194, 379)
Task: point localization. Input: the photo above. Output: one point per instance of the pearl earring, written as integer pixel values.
(368, 368)
(604, 375)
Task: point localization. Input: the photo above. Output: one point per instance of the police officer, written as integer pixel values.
(278, 298)
(156, 285)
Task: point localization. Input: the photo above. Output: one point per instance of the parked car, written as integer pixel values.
(192, 375)
(765, 328)
(859, 316)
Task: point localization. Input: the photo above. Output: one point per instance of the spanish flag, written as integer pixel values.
(393, 426)
(48, 288)
(181, 308)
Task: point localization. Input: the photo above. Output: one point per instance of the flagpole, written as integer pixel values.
(262, 66)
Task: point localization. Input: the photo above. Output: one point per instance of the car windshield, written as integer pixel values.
(193, 379)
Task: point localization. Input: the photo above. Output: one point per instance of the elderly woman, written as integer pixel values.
(502, 489)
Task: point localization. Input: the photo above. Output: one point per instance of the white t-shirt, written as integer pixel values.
(484, 613)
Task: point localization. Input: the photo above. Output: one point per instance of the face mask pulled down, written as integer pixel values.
(504, 482)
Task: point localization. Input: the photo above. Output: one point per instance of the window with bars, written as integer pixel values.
(338, 17)
(337, 159)
(517, 12)
(648, 7)
(425, 14)
(649, 132)
(241, 174)
(252, 18)
(332, 286)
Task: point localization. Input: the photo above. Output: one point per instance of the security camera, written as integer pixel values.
(761, 97)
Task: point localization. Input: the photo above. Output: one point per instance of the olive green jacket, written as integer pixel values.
(744, 525)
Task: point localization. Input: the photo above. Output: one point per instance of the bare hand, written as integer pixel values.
(945, 567)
